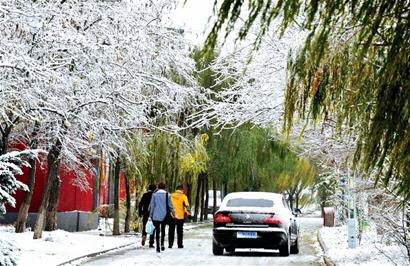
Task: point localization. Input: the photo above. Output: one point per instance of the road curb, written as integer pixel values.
(322, 244)
(95, 254)
(101, 252)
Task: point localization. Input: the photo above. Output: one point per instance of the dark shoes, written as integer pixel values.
(162, 248)
(169, 246)
(143, 240)
(151, 246)
(180, 246)
(158, 250)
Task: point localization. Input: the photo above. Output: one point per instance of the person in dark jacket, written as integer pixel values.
(143, 211)
(161, 204)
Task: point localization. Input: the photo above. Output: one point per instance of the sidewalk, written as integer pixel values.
(59, 247)
(370, 251)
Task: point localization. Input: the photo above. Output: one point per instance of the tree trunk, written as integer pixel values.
(201, 216)
(25, 205)
(297, 198)
(225, 188)
(52, 163)
(5, 132)
(4, 139)
(189, 191)
(128, 204)
(214, 191)
(206, 198)
(116, 229)
(198, 194)
(291, 199)
(51, 216)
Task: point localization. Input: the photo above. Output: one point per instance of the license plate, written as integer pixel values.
(246, 235)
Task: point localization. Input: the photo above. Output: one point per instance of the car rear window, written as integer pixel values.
(241, 202)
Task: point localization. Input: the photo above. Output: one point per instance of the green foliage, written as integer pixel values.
(249, 160)
(354, 68)
(325, 186)
(160, 162)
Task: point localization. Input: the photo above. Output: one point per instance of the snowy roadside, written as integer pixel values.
(370, 252)
(59, 246)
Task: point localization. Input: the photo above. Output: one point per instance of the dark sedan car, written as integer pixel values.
(255, 220)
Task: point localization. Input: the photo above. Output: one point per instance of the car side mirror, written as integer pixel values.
(296, 211)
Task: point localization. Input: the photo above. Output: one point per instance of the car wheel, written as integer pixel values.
(230, 249)
(284, 250)
(217, 250)
(294, 249)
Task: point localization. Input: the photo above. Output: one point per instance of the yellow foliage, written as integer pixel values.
(196, 161)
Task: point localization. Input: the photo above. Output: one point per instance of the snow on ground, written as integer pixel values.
(59, 246)
(370, 252)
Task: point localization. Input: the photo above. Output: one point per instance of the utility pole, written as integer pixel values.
(351, 207)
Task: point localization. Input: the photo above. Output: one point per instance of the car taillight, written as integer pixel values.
(221, 218)
(272, 220)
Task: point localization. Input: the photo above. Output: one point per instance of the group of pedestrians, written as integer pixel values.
(163, 208)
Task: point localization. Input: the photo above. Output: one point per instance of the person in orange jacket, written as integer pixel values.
(181, 207)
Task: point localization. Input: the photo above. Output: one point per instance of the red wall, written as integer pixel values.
(71, 197)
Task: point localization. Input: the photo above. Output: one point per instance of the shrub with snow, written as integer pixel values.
(8, 253)
(10, 164)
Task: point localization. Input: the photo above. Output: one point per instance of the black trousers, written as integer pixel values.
(144, 224)
(179, 224)
(159, 227)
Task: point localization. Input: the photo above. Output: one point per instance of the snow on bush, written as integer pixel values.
(10, 164)
(8, 253)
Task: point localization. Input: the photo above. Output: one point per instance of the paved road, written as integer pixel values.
(198, 251)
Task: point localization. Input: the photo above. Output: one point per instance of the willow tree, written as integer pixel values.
(248, 159)
(297, 180)
(195, 164)
(353, 69)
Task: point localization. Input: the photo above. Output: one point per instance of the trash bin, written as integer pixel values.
(329, 216)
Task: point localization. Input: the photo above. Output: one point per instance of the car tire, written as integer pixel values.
(284, 250)
(294, 249)
(230, 249)
(218, 251)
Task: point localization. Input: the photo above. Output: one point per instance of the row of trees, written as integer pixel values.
(78, 77)
(85, 77)
(345, 92)
(244, 159)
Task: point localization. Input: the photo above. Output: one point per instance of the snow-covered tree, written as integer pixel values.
(10, 166)
(256, 93)
(90, 72)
